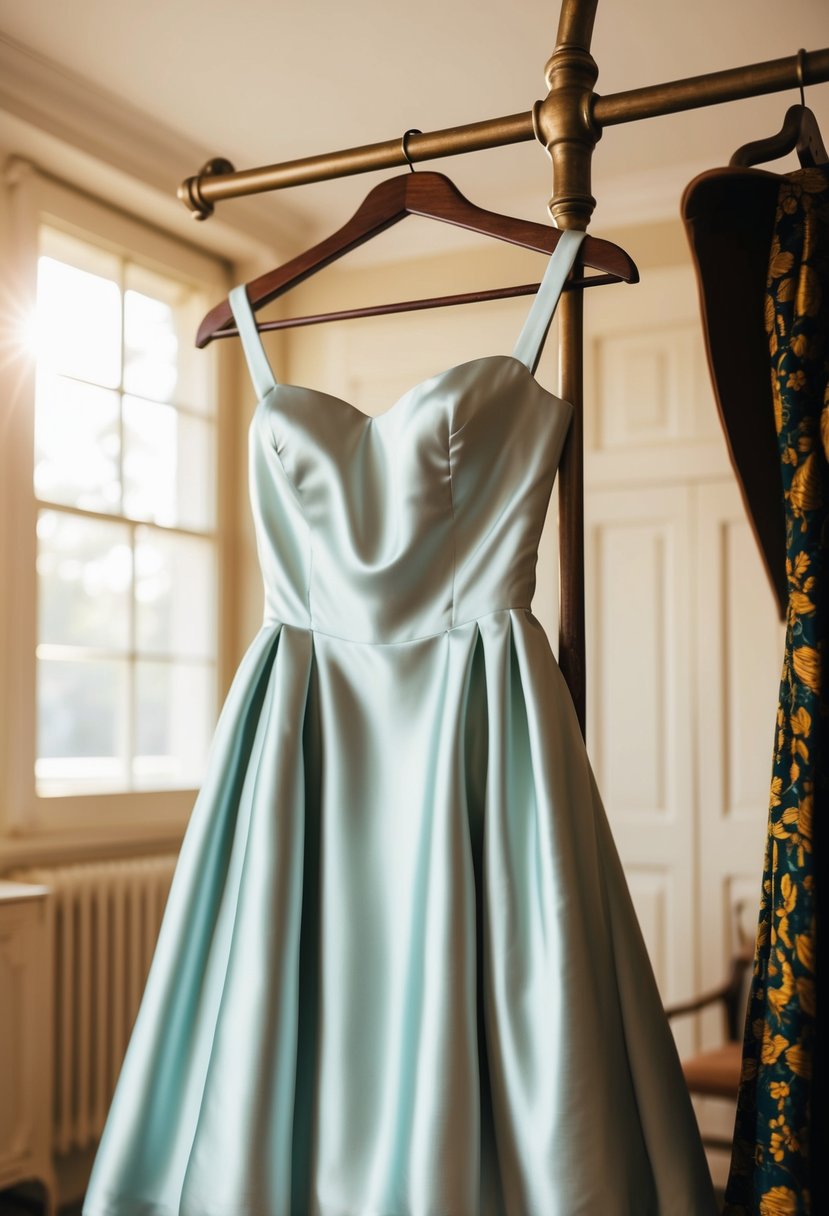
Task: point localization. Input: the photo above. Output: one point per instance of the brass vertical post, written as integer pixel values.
(564, 124)
(571, 651)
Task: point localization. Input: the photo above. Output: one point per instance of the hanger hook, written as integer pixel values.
(411, 131)
(799, 69)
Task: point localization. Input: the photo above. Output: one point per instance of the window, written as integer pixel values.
(124, 480)
(118, 624)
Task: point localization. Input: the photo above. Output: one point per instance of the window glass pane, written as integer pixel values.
(175, 594)
(196, 473)
(150, 347)
(77, 440)
(168, 465)
(84, 571)
(81, 724)
(174, 720)
(161, 360)
(78, 323)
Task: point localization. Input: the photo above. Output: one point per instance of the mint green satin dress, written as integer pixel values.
(399, 971)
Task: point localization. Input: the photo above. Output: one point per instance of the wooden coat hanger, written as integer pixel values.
(427, 194)
(799, 133)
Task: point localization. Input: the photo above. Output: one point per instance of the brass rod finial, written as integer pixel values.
(411, 131)
(189, 192)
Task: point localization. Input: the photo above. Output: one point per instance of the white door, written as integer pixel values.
(684, 647)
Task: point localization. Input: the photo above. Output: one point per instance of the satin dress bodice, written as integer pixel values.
(401, 526)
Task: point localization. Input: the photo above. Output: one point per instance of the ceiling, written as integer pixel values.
(261, 81)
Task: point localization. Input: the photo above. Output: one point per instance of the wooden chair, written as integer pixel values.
(715, 1073)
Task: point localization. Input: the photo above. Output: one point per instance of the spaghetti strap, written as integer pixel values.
(260, 369)
(531, 339)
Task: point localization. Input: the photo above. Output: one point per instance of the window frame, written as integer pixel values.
(155, 815)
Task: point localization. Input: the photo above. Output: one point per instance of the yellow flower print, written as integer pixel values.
(799, 605)
(781, 263)
(805, 948)
(804, 817)
(801, 564)
(779, 996)
(800, 818)
(806, 663)
(805, 491)
(798, 1059)
(772, 1047)
(809, 292)
(801, 721)
(783, 929)
(789, 892)
(779, 1201)
(780, 1136)
(779, 1089)
(797, 380)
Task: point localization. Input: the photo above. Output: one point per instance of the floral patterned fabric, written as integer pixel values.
(770, 1168)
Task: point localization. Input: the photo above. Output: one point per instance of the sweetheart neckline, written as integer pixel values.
(369, 418)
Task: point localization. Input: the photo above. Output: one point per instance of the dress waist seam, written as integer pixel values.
(307, 627)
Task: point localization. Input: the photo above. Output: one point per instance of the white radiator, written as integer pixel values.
(105, 919)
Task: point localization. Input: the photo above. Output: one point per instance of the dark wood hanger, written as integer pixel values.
(427, 194)
(799, 133)
(729, 216)
(728, 213)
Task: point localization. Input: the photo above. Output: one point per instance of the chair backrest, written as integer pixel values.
(741, 973)
(736, 994)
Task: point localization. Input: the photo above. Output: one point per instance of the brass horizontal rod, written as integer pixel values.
(713, 88)
(201, 192)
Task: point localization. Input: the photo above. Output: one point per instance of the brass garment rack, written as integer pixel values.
(569, 122)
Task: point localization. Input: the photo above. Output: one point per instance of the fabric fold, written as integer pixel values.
(158, 1103)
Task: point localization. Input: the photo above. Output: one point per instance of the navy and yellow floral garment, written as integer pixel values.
(772, 1173)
